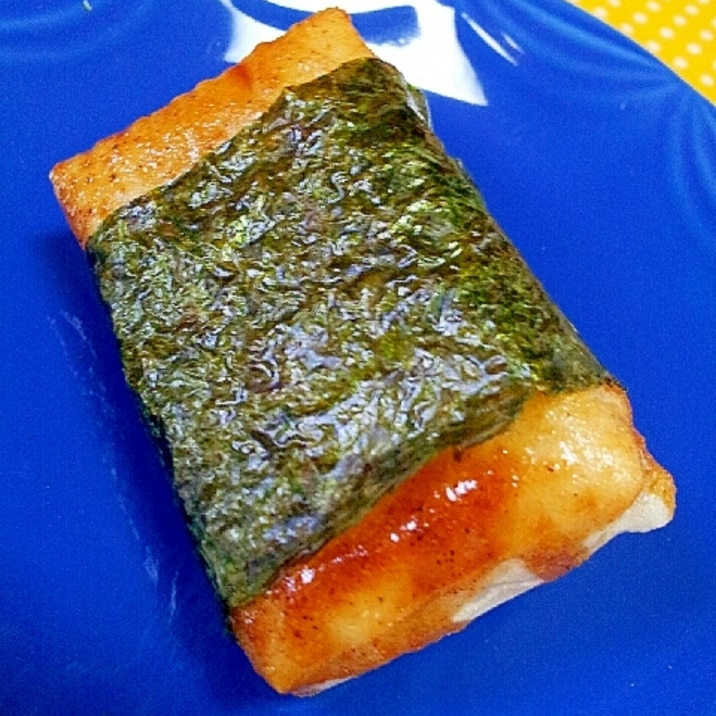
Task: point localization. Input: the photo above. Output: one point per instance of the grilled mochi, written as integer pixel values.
(380, 425)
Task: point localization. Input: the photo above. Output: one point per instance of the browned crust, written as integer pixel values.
(567, 469)
(163, 145)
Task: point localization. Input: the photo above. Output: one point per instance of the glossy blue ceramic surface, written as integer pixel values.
(600, 164)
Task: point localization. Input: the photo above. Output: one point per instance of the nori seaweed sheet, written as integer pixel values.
(315, 310)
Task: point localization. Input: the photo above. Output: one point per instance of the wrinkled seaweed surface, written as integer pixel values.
(316, 309)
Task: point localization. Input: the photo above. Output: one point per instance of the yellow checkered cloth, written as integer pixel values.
(681, 33)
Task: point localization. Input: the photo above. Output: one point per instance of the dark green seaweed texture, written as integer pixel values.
(316, 309)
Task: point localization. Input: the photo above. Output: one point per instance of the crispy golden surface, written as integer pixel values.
(534, 497)
(163, 145)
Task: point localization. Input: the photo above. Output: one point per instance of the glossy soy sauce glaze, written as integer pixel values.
(314, 311)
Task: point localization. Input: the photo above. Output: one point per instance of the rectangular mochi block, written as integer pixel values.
(380, 425)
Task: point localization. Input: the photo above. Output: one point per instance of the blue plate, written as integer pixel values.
(601, 165)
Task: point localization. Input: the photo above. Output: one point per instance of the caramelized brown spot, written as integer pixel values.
(566, 468)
